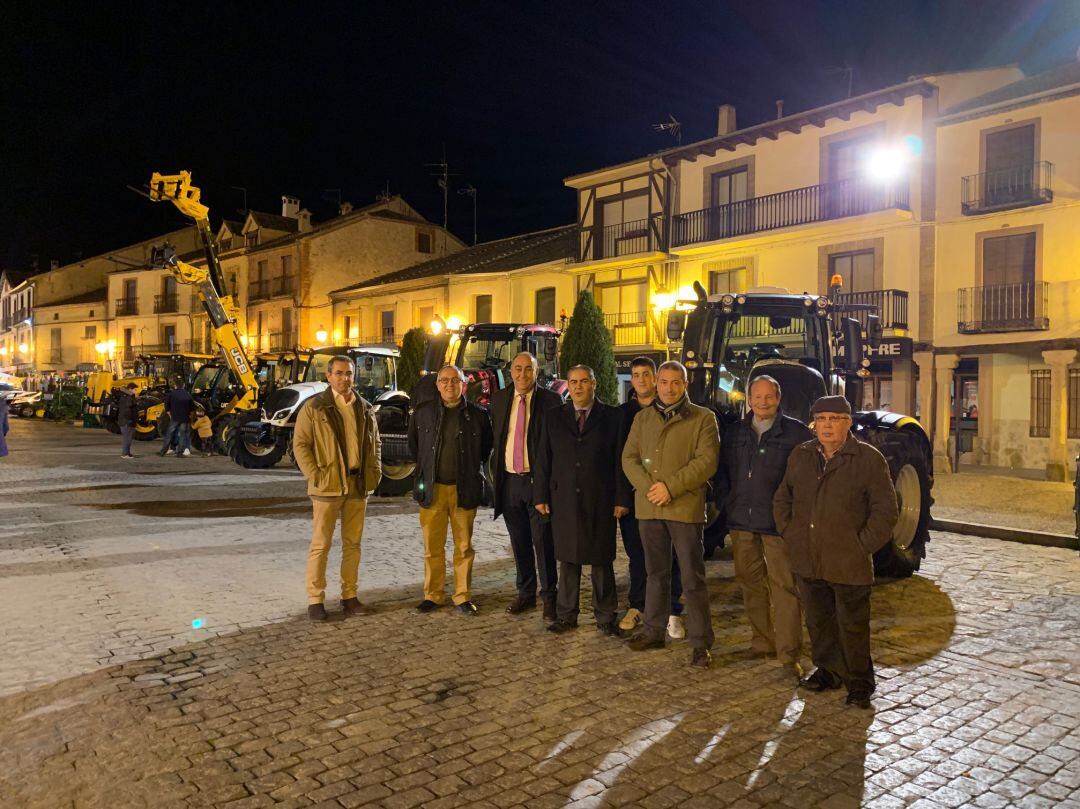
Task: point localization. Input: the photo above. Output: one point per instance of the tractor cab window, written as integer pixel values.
(372, 376)
(545, 349)
(206, 379)
(317, 365)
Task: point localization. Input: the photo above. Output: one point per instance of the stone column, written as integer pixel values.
(945, 365)
(1057, 461)
(925, 361)
(903, 387)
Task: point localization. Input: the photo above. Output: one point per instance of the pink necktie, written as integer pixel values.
(581, 415)
(519, 437)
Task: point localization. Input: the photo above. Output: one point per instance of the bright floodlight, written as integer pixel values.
(321, 335)
(885, 165)
(453, 323)
(436, 326)
(663, 300)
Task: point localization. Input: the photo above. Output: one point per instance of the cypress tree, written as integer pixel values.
(587, 341)
(412, 358)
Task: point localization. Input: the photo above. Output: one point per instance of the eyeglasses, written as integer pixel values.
(450, 380)
(830, 419)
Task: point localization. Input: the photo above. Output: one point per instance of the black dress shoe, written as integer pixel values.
(702, 658)
(352, 606)
(643, 641)
(317, 612)
(860, 699)
(427, 605)
(610, 629)
(520, 605)
(550, 613)
(821, 680)
(467, 608)
(558, 627)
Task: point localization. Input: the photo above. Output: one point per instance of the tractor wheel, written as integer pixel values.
(397, 479)
(25, 411)
(912, 480)
(255, 456)
(223, 430)
(146, 431)
(110, 424)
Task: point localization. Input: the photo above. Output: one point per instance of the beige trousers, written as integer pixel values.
(770, 594)
(325, 512)
(433, 522)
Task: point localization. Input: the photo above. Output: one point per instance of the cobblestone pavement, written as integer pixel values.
(124, 705)
(1014, 502)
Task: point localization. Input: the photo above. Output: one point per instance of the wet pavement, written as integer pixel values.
(109, 697)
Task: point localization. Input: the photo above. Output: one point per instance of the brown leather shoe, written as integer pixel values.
(702, 658)
(520, 605)
(352, 606)
(317, 612)
(550, 613)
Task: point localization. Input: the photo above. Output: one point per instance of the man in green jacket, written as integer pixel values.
(669, 458)
(336, 445)
(835, 507)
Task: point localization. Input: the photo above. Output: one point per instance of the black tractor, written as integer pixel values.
(813, 347)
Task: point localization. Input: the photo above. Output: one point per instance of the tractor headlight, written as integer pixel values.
(822, 302)
(727, 300)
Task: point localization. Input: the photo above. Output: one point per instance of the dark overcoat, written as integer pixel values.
(577, 476)
(501, 403)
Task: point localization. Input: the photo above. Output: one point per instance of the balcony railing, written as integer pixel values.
(283, 285)
(271, 287)
(628, 328)
(127, 306)
(259, 290)
(799, 206)
(1003, 189)
(892, 306)
(388, 337)
(1004, 307)
(624, 239)
(166, 303)
(19, 315)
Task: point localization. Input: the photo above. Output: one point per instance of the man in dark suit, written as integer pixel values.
(517, 413)
(577, 468)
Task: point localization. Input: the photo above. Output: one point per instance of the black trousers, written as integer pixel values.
(603, 592)
(838, 620)
(658, 537)
(631, 540)
(530, 538)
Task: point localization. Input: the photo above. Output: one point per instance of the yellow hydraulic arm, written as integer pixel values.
(209, 281)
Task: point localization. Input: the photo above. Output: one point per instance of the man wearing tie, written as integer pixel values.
(517, 414)
(577, 472)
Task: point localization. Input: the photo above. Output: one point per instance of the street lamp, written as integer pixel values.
(321, 335)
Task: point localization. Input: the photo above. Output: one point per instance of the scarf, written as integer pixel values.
(667, 411)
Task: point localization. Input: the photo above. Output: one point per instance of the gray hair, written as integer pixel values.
(592, 375)
(673, 365)
(460, 373)
(530, 355)
(763, 378)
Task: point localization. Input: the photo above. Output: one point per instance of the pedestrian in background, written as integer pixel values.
(835, 507)
(643, 381)
(178, 404)
(127, 413)
(576, 474)
(4, 403)
(201, 426)
(337, 447)
(517, 413)
(753, 458)
(450, 438)
(670, 457)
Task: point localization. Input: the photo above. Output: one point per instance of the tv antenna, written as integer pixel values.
(443, 176)
(470, 191)
(384, 195)
(242, 190)
(846, 70)
(670, 125)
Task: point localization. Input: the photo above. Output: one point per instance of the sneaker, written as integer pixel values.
(630, 621)
(207, 454)
(676, 627)
(187, 453)
(168, 452)
(127, 457)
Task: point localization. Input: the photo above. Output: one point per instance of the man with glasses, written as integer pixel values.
(835, 507)
(450, 438)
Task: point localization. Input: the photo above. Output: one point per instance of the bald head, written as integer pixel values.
(523, 370)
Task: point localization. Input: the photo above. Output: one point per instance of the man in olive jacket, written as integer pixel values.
(669, 458)
(336, 445)
(450, 438)
(835, 507)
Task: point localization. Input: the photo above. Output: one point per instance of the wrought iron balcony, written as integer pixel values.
(798, 206)
(1003, 307)
(1003, 189)
(892, 306)
(166, 303)
(623, 239)
(259, 290)
(628, 328)
(283, 285)
(127, 306)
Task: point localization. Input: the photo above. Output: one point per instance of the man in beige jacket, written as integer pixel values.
(336, 445)
(669, 458)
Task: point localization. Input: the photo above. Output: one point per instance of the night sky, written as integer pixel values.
(286, 99)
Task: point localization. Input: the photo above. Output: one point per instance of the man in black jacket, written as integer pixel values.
(178, 404)
(450, 437)
(126, 415)
(753, 458)
(577, 471)
(517, 413)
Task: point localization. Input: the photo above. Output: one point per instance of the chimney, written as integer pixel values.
(54, 264)
(290, 206)
(344, 208)
(304, 218)
(779, 108)
(725, 120)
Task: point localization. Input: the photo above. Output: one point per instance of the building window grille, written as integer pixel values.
(1074, 403)
(1040, 404)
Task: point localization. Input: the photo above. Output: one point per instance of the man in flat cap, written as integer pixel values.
(835, 507)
